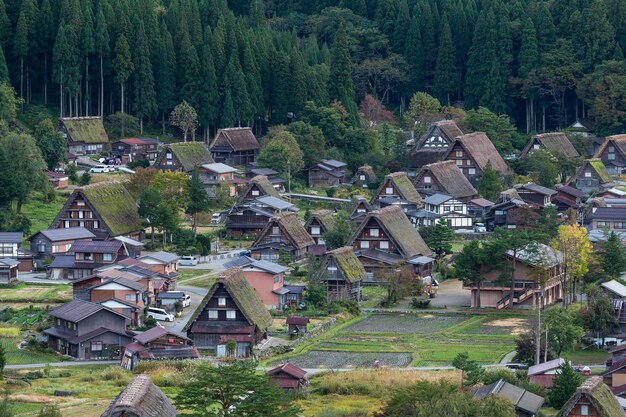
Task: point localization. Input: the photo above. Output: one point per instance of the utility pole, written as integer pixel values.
(289, 178)
(545, 351)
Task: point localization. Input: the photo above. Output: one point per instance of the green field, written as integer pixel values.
(41, 213)
(201, 278)
(36, 293)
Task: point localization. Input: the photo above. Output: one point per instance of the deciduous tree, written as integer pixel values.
(572, 243)
(185, 118)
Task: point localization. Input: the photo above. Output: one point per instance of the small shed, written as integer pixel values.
(544, 373)
(297, 325)
(288, 377)
(8, 270)
(141, 398)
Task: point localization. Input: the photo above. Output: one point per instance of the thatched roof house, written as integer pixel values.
(320, 222)
(444, 177)
(364, 176)
(592, 176)
(141, 398)
(183, 156)
(397, 186)
(595, 398)
(612, 153)
(479, 150)
(433, 144)
(358, 208)
(235, 146)
(557, 143)
(284, 232)
(108, 209)
(85, 135)
(258, 186)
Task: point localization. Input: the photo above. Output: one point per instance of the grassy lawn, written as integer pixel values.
(36, 293)
(41, 213)
(187, 274)
(196, 278)
(587, 356)
(372, 296)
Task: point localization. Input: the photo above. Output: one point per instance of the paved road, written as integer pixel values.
(59, 364)
(196, 294)
(217, 264)
(39, 278)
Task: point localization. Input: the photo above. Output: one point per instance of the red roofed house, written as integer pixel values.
(134, 149)
(297, 324)
(157, 343)
(288, 377)
(57, 179)
(544, 373)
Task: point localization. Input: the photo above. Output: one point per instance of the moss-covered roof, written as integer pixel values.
(85, 129)
(293, 228)
(600, 169)
(191, 154)
(347, 261)
(324, 217)
(115, 205)
(244, 295)
(602, 399)
(403, 184)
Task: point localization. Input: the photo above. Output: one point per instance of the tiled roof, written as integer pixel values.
(155, 333)
(161, 256)
(77, 310)
(11, 237)
(546, 366)
(96, 246)
(72, 233)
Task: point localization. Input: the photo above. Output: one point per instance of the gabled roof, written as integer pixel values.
(399, 229)
(156, 332)
(290, 224)
(609, 213)
(141, 398)
(96, 246)
(275, 202)
(77, 310)
(239, 138)
(219, 168)
(114, 205)
(324, 217)
(264, 186)
(289, 369)
(263, 171)
(482, 202)
(246, 261)
(85, 129)
(521, 398)
(552, 365)
(11, 237)
(297, 320)
(536, 189)
(125, 282)
(244, 295)
(403, 185)
(365, 170)
(161, 256)
(347, 261)
(481, 149)
(574, 192)
(190, 154)
(357, 200)
(597, 166)
(138, 141)
(595, 391)
(450, 177)
(619, 141)
(555, 143)
(72, 233)
(448, 127)
(538, 254)
(437, 199)
(615, 287)
(9, 262)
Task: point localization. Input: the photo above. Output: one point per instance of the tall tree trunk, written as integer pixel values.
(512, 291)
(101, 86)
(141, 125)
(87, 86)
(123, 124)
(163, 122)
(61, 92)
(45, 79)
(478, 287)
(22, 77)
(152, 235)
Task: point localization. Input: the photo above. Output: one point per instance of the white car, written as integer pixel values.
(188, 260)
(159, 314)
(480, 228)
(100, 169)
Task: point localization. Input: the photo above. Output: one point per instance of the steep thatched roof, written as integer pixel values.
(141, 398)
(85, 129)
(366, 170)
(594, 391)
(290, 224)
(244, 295)
(403, 184)
(190, 154)
(555, 143)
(619, 141)
(263, 184)
(347, 261)
(115, 205)
(324, 217)
(597, 166)
(451, 179)
(239, 139)
(399, 229)
(481, 149)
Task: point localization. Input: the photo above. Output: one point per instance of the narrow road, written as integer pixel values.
(508, 358)
(60, 364)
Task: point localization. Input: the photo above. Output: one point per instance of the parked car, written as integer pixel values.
(159, 314)
(217, 217)
(516, 366)
(480, 228)
(188, 260)
(185, 299)
(100, 169)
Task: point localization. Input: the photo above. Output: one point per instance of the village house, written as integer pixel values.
(87, 330)
(592, 398)
(442, 206)
(364, 177)
(267, 278)
(165, 263)
(83, 258)
(141, 398)
(320, 222)
(472, 152)
(297, 325)
(157, 343)
(526, 403)
(434, 143)
(444, 177)
(386, 237)
(11, 248)
(124, 289)
(566, 198)
(132, 247)
(613, 218)
(505, 213)
(543, 374)
(342, 275)
(397, 189)
(535, 194)
(9, 270)
(183, 157)
(288, 377)
(525, 265)
(106, 209)
(359, 207)
(235, 146)
(140, 271)
(612, 153)
(327, 173)
(592, 176)
(217, 175)
(84, 135)
(556, 143)
(479, 207)
(617, 292)
(272, 176)
(58, 180)
(129, 310)
(231, 310)
(46, 244)
(135, 149)
(284, 233)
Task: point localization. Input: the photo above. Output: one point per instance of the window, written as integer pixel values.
(221, 301)
(499, 212)
(212, 314)
(361, 177)
(446, 209)
(536, 146)
(41, 247)
(169, 162)
(231, 315)
(603, 224)
(458, 208)
(66, 224)
(81, 214)
(275, 239)
(55, 248)
(87, 256)
(80, 203)
(584, 410)
(96, 224)
(471, 171)
(459, 154)
(107, 257)
(587, 174)
(365, 244)
(168, 155)
(374, 232)
(611, 148)
(332, 272)
(59, 322)
(459, 162)
(275, 230)
(384, 244)
(611, 157)
(361, 210)
(427, 180)
(388, 190)
(96, 346)
(255, 192)
(315, 230)
(130, 297)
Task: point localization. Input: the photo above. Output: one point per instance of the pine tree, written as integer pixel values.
(340, 85)
(257, 14)
(166, 75)
(208, 94)
(102, 46)
(596, 37)
(45, 38)
(490, 185)
(298, 82)
(414, 53)
(447, 75)
(427, 25)
(20, 46)
(145, 96)
(613, 256)
(565, 384)
(198, 198)
(4, 70)
(5, 26)
(123, 65)
(440, 239)
(401, 26)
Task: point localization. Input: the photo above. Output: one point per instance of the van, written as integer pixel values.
(188, 260)
(216, 218)
(100, 169)
(159, 314)
(186, 301)
(480, 228)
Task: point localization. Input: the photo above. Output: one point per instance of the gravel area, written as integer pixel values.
(338, 360)
(407, 324)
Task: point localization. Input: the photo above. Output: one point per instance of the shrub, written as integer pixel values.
(415, 303)
(116, 374)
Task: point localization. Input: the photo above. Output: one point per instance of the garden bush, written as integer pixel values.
(415, 303)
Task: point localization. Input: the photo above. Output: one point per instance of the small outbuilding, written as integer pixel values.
(297, 325)
(141, 398)
(288, 377)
